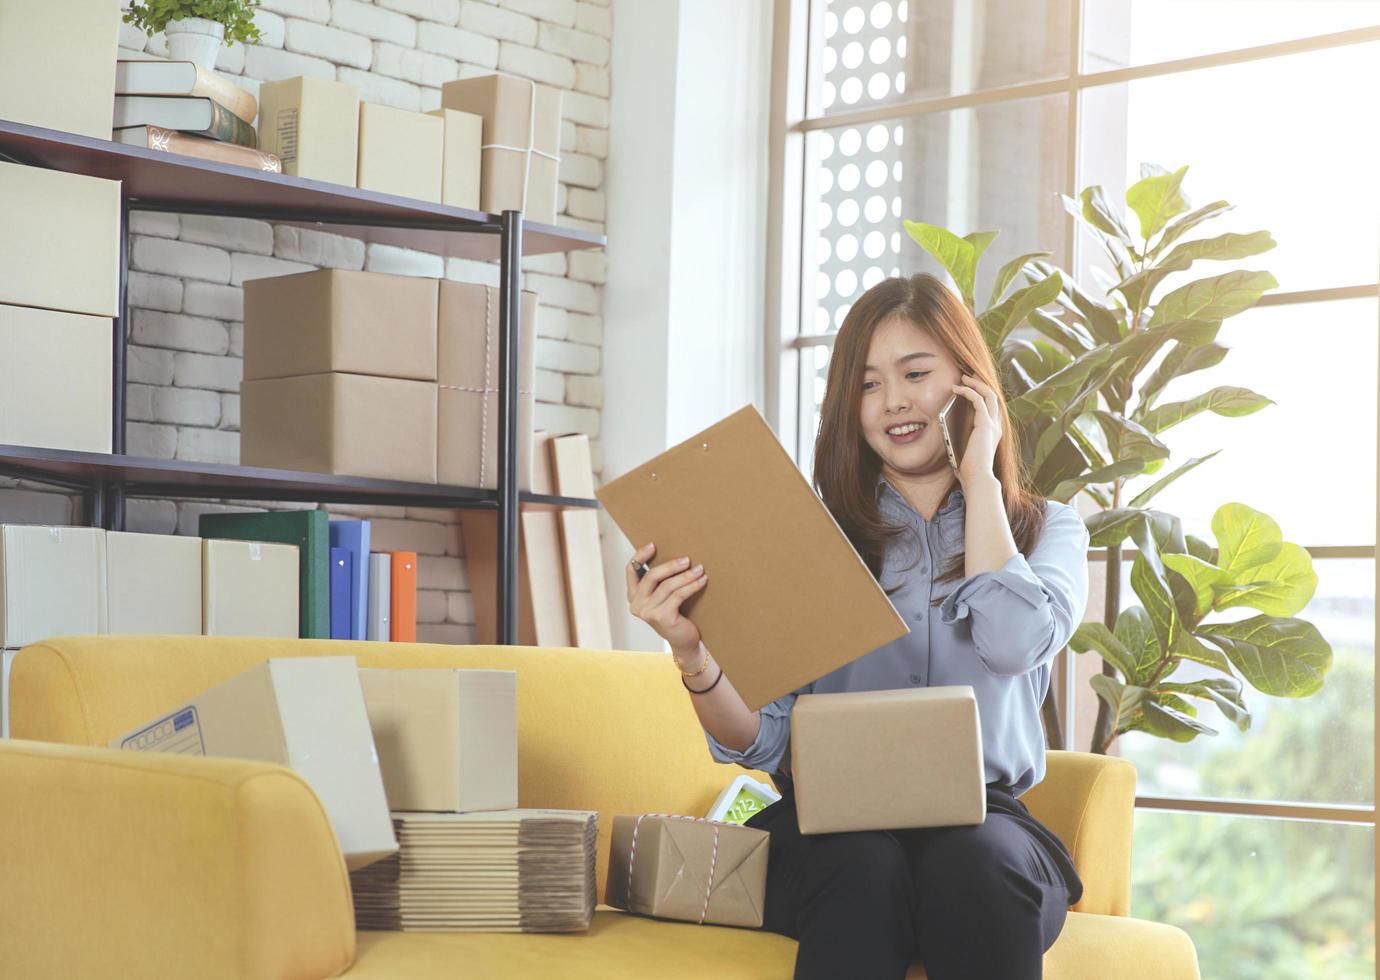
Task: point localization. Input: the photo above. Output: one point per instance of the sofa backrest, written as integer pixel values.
(608, 731)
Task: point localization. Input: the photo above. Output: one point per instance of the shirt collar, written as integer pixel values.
(953, 505)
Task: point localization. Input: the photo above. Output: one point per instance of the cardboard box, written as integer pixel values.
(59, 240)
(303, 712)
(522, 137)
(57, 64)
(400, 152)
(887, 760)
(249, 588)
(153, 584)
(52, 583)
(467, 345)
(312, 125)
(733, 499)
(584, 562)
(338, 320)
(446, 739)
(461, 158)
(543, 619)
(55, 379)
(667, 866)
(383, 428)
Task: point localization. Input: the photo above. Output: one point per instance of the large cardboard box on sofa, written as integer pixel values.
(350, 424)
(303, 712)
(312, 125)
(522, 137)
(52, 583)
(55, 379)
(887, 760)
(340, 320)
(59, 240)
(688, 868)
(153, 583)
(446, 739)
(57, 64)
(467, 348)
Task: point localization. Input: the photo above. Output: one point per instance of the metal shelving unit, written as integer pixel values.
(156, 181)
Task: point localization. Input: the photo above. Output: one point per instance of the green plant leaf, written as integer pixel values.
(980, 240)
(1158, 600)
(1199, 548)
(1245, 538)
(1007, 274)
(957, 255)
(1137, 289)
(1103, 321)
(1108, 528)
(1224, 692)
(1223, 400)
(1128, 439)
(1177, 229)
(1000, 320)
(1124, 700)
(1146, 495)
(1167, 722)
(1106, 226)
(1285, 658)
(1061, 389)
(1155, 199)
(1190, 647)
(1212, 300)
(1066, 489)
(1201, 577)
(1181, 360)
(1281, 586)
(1137, 635)
(1074, 337)
(1096, 637)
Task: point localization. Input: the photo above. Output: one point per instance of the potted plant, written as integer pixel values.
(1088, 423)
(196, 28)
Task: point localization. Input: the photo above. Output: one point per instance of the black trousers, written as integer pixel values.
(980, 902)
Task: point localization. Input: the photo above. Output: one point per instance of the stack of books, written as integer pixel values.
(180, 107)
(495, 871)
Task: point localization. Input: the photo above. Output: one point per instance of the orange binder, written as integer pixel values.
(403, 597)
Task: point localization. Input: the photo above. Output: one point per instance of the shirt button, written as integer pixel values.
(920, 614)
(916, 679)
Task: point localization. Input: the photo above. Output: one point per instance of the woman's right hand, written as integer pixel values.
(657, 597)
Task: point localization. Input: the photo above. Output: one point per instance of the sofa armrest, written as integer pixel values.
(1089, 800)
(132, 864)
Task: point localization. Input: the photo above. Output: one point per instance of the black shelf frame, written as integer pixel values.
(157, 181)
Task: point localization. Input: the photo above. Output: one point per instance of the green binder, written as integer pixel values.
(310, 531)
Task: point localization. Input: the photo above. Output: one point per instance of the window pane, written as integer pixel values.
(873, 52)
(1261, 898)
(1291, 157)
(1318, 749)
(991, 167)
(1117, 33)
(1308, 460)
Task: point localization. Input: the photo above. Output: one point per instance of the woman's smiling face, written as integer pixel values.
(908, 379)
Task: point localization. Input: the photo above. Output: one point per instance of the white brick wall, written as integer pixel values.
(187, 272)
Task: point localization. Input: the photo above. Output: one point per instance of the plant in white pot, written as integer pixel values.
(196, 28)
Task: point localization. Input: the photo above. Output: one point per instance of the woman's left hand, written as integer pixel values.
(981, 449)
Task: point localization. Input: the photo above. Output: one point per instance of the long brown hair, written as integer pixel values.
(847, 468)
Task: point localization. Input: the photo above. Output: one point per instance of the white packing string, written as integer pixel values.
(530, 148)
(713, 856)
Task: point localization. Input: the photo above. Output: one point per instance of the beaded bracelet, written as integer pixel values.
(707, 689)
(697, 671)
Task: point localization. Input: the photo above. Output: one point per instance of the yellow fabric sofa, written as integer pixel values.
(130, 865)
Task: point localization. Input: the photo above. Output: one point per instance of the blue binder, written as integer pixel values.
(342, 571)
(353, 536)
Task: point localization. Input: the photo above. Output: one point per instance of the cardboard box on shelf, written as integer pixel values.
(522, 136)
(400, 152)
(446, 739)
(52, 583)
(57, 64)
(249, 588)
(467, 345)
(153, 583)
(543, 619)
(59, 240)
(340, 320)
(306, 713)
(460, 160)
(312, 125)
(384, 428)
(688, 868)
(584, 563)
(55, 379)
(887, 760)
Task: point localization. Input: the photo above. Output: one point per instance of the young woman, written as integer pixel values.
(992, 580)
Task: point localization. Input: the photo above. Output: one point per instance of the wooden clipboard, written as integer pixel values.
(788, 598)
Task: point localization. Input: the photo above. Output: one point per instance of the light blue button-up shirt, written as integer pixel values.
(996, 631)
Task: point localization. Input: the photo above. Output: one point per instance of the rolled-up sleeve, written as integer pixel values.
(769, 746)
(1024, 613)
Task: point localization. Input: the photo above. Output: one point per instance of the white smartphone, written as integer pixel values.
(944, 430)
